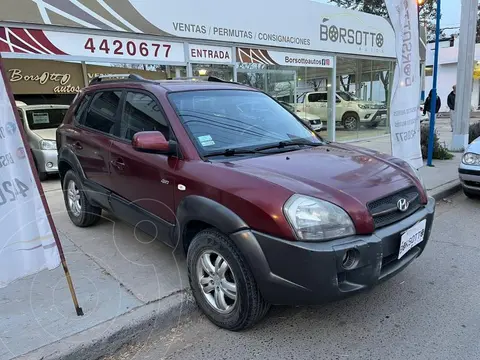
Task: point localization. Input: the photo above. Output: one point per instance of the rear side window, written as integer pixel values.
(102, 111)
(82, 107)
(142, 113)
(317, 97)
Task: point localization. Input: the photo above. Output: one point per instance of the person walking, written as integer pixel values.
(451, 104)
(428, 104)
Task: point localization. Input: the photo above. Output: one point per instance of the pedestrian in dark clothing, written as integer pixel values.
(451, 104)
(427, 106)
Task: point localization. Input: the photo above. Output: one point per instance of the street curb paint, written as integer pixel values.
(108, 337)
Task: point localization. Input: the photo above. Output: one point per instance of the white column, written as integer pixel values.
(332, 91)
(466, 56)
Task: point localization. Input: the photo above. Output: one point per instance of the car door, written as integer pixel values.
(142, 183)
(91, 140)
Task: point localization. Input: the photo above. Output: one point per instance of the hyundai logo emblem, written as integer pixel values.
(403, 205)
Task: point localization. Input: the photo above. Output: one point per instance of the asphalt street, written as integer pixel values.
(429, 311)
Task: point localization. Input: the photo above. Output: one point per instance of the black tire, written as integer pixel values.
(351, 121)
(88, 214)
(42, 176)
(470, 194)
(249, 307)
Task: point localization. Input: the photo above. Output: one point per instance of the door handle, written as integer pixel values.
(118, 164)
(77, 145)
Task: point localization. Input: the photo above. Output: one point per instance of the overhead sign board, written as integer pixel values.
(206, 54)
(30, 43)
(269, 57)
(318, 27)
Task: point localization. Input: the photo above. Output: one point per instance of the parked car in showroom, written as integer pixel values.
(265, 210)
(469, 170)
(312, 120)
(40, 123)
(351, 112)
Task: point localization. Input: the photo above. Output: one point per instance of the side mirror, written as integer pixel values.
(153, 142)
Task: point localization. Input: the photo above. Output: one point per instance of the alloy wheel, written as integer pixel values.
(74, 202)
(217, 281)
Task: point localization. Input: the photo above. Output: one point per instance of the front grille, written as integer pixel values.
(385, 211)
(315, 122)
(472, 183)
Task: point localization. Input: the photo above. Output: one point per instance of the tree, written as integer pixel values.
(477, 40)
(428, 13)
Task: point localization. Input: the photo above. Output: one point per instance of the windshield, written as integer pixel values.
(230, 119)
(347, 96)
(45, 118)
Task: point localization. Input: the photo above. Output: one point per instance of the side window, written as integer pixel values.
(142, 113)
(81, 108)
(317, 97)
(101, 114)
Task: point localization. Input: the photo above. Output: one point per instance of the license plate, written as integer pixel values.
(412, 237)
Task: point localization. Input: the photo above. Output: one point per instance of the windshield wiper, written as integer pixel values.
(233, 152)
(284, 144)
(260, 150)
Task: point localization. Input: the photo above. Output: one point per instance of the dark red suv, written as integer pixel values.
(266, 211)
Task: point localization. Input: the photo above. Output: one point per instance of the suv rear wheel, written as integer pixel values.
(80, 211)
(351, 121)
(222, 283)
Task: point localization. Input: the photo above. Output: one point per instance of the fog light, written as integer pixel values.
(350, 259)
(49, 165)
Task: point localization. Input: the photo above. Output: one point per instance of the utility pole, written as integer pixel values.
(466, 57)
(434, 87)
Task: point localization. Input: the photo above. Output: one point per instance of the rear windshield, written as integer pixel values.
(45, 118)
(224, 119)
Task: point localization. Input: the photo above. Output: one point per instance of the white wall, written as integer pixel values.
(447, 73)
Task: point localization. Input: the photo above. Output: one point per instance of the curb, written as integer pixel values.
(108, 337)
(445, 190)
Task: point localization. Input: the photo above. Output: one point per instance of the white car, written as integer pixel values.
(469, 170)
(313, 120)
(40, 123)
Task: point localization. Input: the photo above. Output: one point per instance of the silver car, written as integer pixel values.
(469, 170)
(40, 123)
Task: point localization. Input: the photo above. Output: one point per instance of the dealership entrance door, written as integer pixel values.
(280, 84)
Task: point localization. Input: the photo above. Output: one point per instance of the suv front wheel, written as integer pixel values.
(222, 283)
(351, 121)
(80, 211)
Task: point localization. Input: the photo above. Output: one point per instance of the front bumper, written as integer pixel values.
(46, 160)
(301, 273)
(470, 178)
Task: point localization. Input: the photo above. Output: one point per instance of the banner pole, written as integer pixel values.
(29, 155)
(433, 100)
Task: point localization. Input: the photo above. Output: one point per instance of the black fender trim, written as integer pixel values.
(67, 155)
(199, 208)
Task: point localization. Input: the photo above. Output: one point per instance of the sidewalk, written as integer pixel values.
(129, 286)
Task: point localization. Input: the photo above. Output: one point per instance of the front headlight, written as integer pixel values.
(364, 107)
(471, 159)
(48, 145)
(314, 219)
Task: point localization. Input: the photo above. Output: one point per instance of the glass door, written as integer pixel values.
(280, 84)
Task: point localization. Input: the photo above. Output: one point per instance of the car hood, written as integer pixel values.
(307, 116)
(47, 134)
(336, 173)
(474, 146)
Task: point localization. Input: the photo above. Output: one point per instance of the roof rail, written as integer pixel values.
(116, 77)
